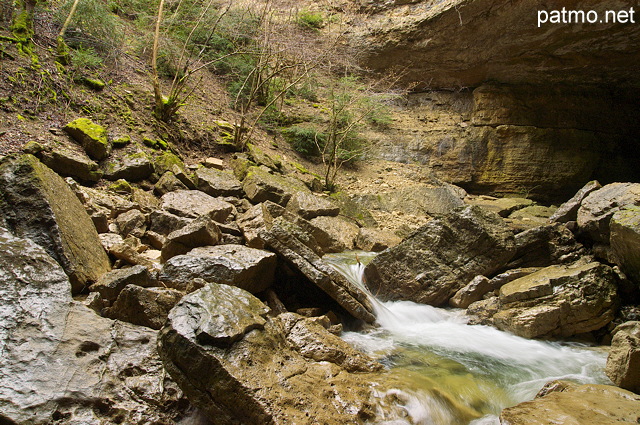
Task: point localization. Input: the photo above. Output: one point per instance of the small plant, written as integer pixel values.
(85, 59)
(305, 139)
(311, 20)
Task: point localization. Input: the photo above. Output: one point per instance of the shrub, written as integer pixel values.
(305, 139)
(310, 20)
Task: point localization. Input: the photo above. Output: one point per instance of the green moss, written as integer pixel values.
(165, 162)
(158, 144)
(121, 186)
(32, 147)
(121, 142)
(93, 137)
(93, 83)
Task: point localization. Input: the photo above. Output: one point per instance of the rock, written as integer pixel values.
(200, 232)
(416, 199)
(109, 240)
(184, 176)
(99, 199)
(569, 210)
(218, 183)
(559, 301)
(168, 183)
(532, 216)
(623, 363)
(376, 240)
(144, 199)
(193, 203)
(625, 240)
(133, 223)
(334, 234)
(353, 209)
(599, 206)
(163, 222)
(236, 364)
(216, 163)
(144, 306)
(69, 163)
(314, 342)
(247, 268)
(166, 161)
(510, 275)
(435, 262)
(260, 186)
(92, 137)
(111, 284)
(251, 222)
(132, 168)
(308, 206)
(303, 259)
(576, 404)
(130, 255)
(63, 363)
(472, 292)
(38, 204)
(502, 206)
(482, 312)
(544, 246)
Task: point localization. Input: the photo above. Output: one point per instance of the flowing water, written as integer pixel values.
(445, 372)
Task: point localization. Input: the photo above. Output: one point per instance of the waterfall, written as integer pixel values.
(448, 372)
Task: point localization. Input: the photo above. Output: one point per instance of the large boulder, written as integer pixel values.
(144, 306)
(38, 204)
(200, 232)
(260, 185)
(283, 240)
(623, 363)
(70, 163)
(599, 206)
(247, 268)
(308, 206)
(568, 211)
(238, 365)
(441, 257)
(193, 204)
(559, 301)
(61, 363)
(334, 234)
(218, 183)
(132, 167)
(111, 284)
(562, 402)
(625, 240)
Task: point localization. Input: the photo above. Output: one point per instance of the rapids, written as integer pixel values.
(445, 372)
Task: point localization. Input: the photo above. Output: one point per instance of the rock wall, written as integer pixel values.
(510, 107)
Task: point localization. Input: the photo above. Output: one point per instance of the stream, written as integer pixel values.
(445, 372)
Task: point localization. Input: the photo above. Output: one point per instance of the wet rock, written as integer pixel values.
(168, 182)
(435, 262)
(218, 183)
(132, 168)
(308, 206)
(193, 203)
(236, 364)
(144, 306)
(130, 255)
(376, 240)
(559, 301)
(334, 234)
(133, 223)
(60, 361)
(568, 211)
(576, 404)
(544, 246)
(92, 137)
(623, 363)
(303, 259)
(625, 240)
(111, 284)
(69, 163)
(200, 232)
(260, 186)
(482, 312)
(314, 342)
(600, 205)
(38, 204)
(247, 268)
(472, 292)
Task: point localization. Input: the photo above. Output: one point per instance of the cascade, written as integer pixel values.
(446, 372)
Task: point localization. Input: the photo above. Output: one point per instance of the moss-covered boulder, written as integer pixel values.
(36, 203)
(92, 137)
(133, 167)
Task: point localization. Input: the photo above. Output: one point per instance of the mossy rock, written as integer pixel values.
(92, 137)
(158, 144)
(93, 83)
(260, 186)
(354, 210)
(240, 165)
(121, 186)
(165, 161)
(121, 142)
(260, 157)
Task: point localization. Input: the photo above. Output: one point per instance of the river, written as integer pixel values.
(446, 372)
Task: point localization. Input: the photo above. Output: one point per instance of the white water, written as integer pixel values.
(456, 372)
